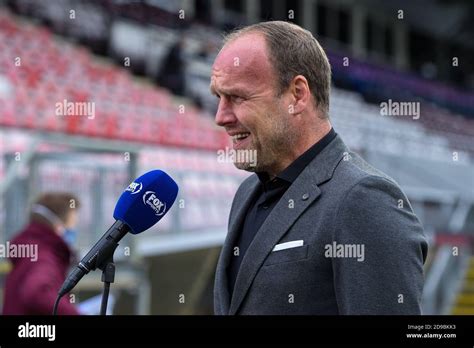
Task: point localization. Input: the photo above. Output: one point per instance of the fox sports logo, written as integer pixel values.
(150, 199)
(134, 188)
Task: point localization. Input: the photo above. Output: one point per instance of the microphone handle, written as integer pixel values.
(105, 247)
(97, 257)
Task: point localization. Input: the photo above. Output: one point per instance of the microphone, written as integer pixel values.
(141, 205)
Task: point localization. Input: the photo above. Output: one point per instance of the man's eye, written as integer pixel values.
(237, 99)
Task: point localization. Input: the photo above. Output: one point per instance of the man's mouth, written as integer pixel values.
(240, 139)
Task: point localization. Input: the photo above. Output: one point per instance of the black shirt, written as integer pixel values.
(267, 197)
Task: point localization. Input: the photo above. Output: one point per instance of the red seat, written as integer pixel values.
(7, 114)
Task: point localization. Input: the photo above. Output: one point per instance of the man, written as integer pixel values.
(32, 285)
(316, 230)
(171, 74)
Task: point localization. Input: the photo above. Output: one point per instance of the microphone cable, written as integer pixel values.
(56, 304)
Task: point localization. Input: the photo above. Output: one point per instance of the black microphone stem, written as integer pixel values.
(100, 256)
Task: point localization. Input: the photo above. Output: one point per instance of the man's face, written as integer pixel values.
(249, 108)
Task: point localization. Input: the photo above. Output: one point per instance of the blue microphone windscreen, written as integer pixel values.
(146, 200)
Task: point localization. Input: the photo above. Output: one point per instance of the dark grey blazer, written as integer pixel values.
(337, 205)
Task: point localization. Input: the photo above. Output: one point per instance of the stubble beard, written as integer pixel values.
(276, 145)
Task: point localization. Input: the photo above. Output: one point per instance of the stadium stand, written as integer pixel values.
(127, 110)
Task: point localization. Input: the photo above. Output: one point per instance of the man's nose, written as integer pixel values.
(224, 114)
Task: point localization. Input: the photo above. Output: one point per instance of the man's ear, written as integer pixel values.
(300, 95)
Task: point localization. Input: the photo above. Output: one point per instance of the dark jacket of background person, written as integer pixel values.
(171, 74)
(31, 287)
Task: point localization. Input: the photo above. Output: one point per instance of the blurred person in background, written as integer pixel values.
(33, 283)
(171, 74)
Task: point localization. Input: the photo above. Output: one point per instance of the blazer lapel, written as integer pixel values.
(227, 249)
(303, 192)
